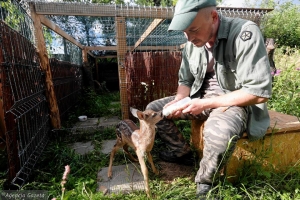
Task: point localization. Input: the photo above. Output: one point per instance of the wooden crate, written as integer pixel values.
(279, 149)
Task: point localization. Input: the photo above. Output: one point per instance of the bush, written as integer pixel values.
(283, 24)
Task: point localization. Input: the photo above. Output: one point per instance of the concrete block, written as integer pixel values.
(125, 179)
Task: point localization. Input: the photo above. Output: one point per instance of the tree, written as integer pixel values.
(283, 24)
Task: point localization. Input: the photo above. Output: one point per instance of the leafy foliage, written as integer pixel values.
(286, 86)
(283, 24)
(13, 16)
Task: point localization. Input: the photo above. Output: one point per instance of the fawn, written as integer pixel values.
(140, 139)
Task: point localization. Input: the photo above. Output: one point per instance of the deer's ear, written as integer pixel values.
(138, 114)
(135, 112)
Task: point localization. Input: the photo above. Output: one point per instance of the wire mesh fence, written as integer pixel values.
(67, 81)
(24, 117)
(62, 49)
(25, 107)
(151, 75)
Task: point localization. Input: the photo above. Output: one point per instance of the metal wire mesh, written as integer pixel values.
(15, 16)
(25, 108)
(61, 49)
(151, 75)
(94, 24)
(89, 31)
(67, 81)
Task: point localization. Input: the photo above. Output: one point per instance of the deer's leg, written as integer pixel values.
(141, 156)
(118, 145)
(133, 159)
(151, 163)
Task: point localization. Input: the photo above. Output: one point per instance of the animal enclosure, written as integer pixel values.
(136, 36)
(43, 46)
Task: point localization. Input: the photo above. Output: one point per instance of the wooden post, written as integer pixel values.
(121, 51)
(84, 55)
(45, 65)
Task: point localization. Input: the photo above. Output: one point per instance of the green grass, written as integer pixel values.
(254, 182)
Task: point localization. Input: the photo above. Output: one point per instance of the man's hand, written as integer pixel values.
(195, 107)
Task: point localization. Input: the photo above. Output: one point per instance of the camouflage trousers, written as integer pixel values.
(221, 131)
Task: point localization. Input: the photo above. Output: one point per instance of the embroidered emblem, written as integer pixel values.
(246, 35)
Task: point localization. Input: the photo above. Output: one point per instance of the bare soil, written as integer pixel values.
(171, 171)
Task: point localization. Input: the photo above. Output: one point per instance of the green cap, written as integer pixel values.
(186, 11)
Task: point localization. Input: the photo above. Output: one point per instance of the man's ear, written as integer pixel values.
(215, 16)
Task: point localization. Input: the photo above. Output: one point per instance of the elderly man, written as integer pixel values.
(225, 70)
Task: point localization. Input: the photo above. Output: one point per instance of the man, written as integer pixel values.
(226, 72)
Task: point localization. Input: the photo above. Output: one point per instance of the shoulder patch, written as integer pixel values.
(246, 35)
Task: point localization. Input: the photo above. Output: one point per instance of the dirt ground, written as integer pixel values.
(170, 171)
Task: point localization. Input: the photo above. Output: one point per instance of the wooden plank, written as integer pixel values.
(157, 48)
(148, 31)
(279, 149)
(86, 9)
(88, 52)
(59, 31)
(182, 46)
(141, 48)
(108, 56)
(121, 51)
(45, 65)
(102, 48)
(84, 55)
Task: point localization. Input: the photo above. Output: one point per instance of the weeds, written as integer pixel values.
(286, 86)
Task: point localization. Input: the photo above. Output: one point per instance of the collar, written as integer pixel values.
(224, 27)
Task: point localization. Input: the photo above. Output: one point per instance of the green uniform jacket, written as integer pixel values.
(241, 62)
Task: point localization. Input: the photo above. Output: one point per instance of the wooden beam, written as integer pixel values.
(86, 9)
(148, 31)
(121, 51)
(84, 55)
(141, 48)
(88, 52)
(59, 31)
(109, 56)
(92, 9)
(45, 65)
(157, 48)
(182, 46)
(107, 48)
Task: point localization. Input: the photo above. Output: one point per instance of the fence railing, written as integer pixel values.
(24, 115)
